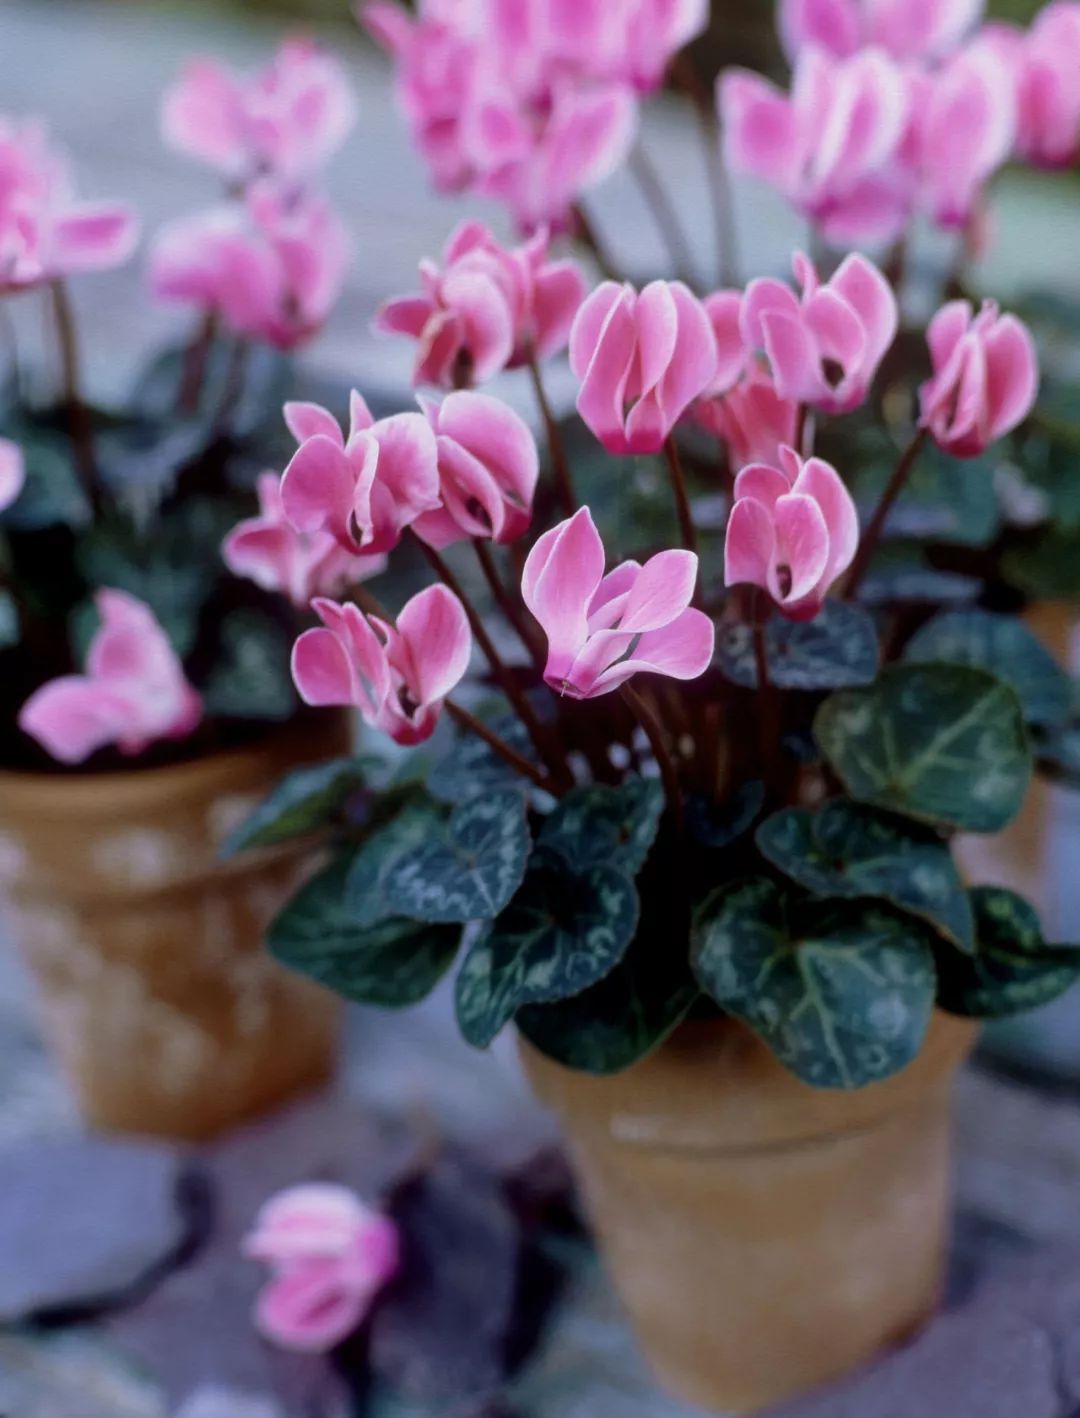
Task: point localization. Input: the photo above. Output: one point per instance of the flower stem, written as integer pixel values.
(872, 535)
(510, 687)
(697, 91)
(235, 378)
(499, 745)
(506, 604)
(682, 502)
(196, 359)
(769, 713)
(79, 424)
(645, 716)
(559, 464)
(664, 214)
(590, 238)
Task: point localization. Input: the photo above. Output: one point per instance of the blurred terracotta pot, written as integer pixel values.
(156, 994)
(765, 1237)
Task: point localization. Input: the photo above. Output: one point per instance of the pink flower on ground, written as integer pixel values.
(906, 29)
(489, 308)
(12, 472)
(963, 129)
(642, 361)
(329, 1257)
(272, 268)
(363, 490)
(985, 377)
(752, 419)
(285, 121)
(396, 676)
(834, 147)
(133, 692)
(603, 629)
(825, 348)
(1047, 71)
(488, 467)
(793, 530)
(44, 232)
(267, 550)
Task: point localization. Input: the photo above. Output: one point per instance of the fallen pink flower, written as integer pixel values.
(363, 490)
(12, 472)
(603, 629)
(793, 530)
(834, 147)
(285, 121)
(269, 551)
(44, 232)
(272, 268)
(985, 377)
(906, 29)
(824, 348)
(397, 676)
(487, 309)
(642, 361)
(752, 419)
(133, 692)
(488, 467)
(329, 1255)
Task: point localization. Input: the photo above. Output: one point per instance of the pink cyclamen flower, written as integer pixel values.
(133, 692)
(1046, 63)
(44, 232)
(985, 377)
(397, 676)
(489, 308)
(269, 551)
(752, 419)
(364, 489)
(286, 120)
(488, 466)
(642, 360)
(824, 348)
(329, 1256)
(603, 629)
(12, 472)
(834, 147)
(793, 530)
(272, 268)
(906, 29)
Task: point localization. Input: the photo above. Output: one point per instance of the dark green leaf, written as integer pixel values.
(902, 574)
(252, 678)
(1047, 568)
(1012, 969)
(394, 963)
(841, 993)
(306, 800)
(10, 629)
(941, 743)
(612, 1025)
(719, 824)
(945, 499)
(467, 868)
(52, 493)
(835, 650)
(1003, 645)
(1058, 756)
(471, 769)
(850, 851)
(595, 825)
(564, 931)
(405, 833)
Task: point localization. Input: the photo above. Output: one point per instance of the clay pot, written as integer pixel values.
(765, 1237)
(156, 995)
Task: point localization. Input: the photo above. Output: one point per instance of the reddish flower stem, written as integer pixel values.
(682, 501)
(872, 535)
(502, 748)
(79, 422)
(506, 604)
(560, 465)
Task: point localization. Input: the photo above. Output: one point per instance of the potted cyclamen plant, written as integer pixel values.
(702, 855)
(149, 697)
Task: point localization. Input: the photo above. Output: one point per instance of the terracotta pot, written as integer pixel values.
(764, 1236)
(156, 995)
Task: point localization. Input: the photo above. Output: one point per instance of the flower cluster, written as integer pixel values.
(529, 103)
(270, 262)
(901, 107)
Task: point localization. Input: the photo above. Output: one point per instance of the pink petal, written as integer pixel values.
(765, 296)
(724, 309)
(318, 486)
(71, 717)
(661, 591)
(749, 544)
(557, 296)
(682, 650)
(308, 1308)
(1012, 375)
(832, 24)
(435, 630)
(312, 1219)
(602, 351)
(94, 238)
(497, 436)
(761, 131)
(794, 359)
(322, 670)
(947, 329)
(872, 298)
(560, 578)
(305, 421)
(763, 483)
(802, 545)
(202, 115)
(408, 315)
(821, 482)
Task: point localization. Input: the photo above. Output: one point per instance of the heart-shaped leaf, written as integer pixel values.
(598, 825)
(1047, 567)
(612, 1025)
(394, 963)
(901, 573)
(418, 821)
(849, 851)
(842, 994)
(838, 649)
(941, 743)
(1012, 969)
(472, 769)
(719, 824)
(1005, 647)
(468, 868)
(306, 800)
(564, 931)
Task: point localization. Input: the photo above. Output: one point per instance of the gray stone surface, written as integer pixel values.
(87, 1224)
